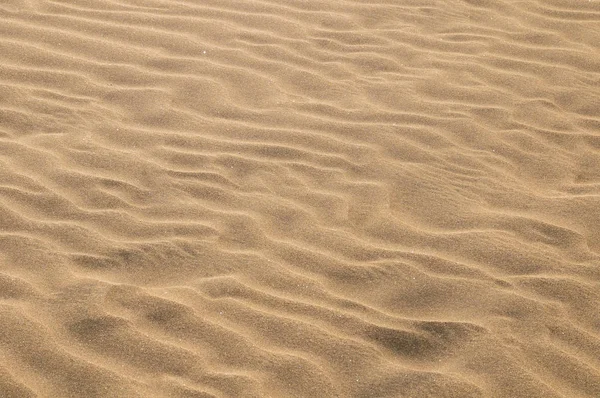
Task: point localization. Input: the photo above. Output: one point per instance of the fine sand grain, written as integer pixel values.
(299, 198)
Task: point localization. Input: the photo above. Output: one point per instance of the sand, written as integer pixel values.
(294, 198)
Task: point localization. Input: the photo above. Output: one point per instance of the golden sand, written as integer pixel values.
(298, 198)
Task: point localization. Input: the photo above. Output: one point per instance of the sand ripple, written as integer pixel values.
(299, 199)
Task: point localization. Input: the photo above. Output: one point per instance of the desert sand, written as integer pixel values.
(299, 198)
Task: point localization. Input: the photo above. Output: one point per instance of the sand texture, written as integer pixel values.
(299, 198)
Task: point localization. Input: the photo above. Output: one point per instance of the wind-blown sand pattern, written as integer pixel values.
(265, 198)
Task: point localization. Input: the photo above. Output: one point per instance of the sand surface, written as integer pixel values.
(299, 198)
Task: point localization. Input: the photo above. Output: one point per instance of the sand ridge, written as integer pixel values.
(258, 198)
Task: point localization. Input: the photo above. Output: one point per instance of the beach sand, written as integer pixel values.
(264, 198)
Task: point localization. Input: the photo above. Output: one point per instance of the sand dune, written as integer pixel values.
(260, 198)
